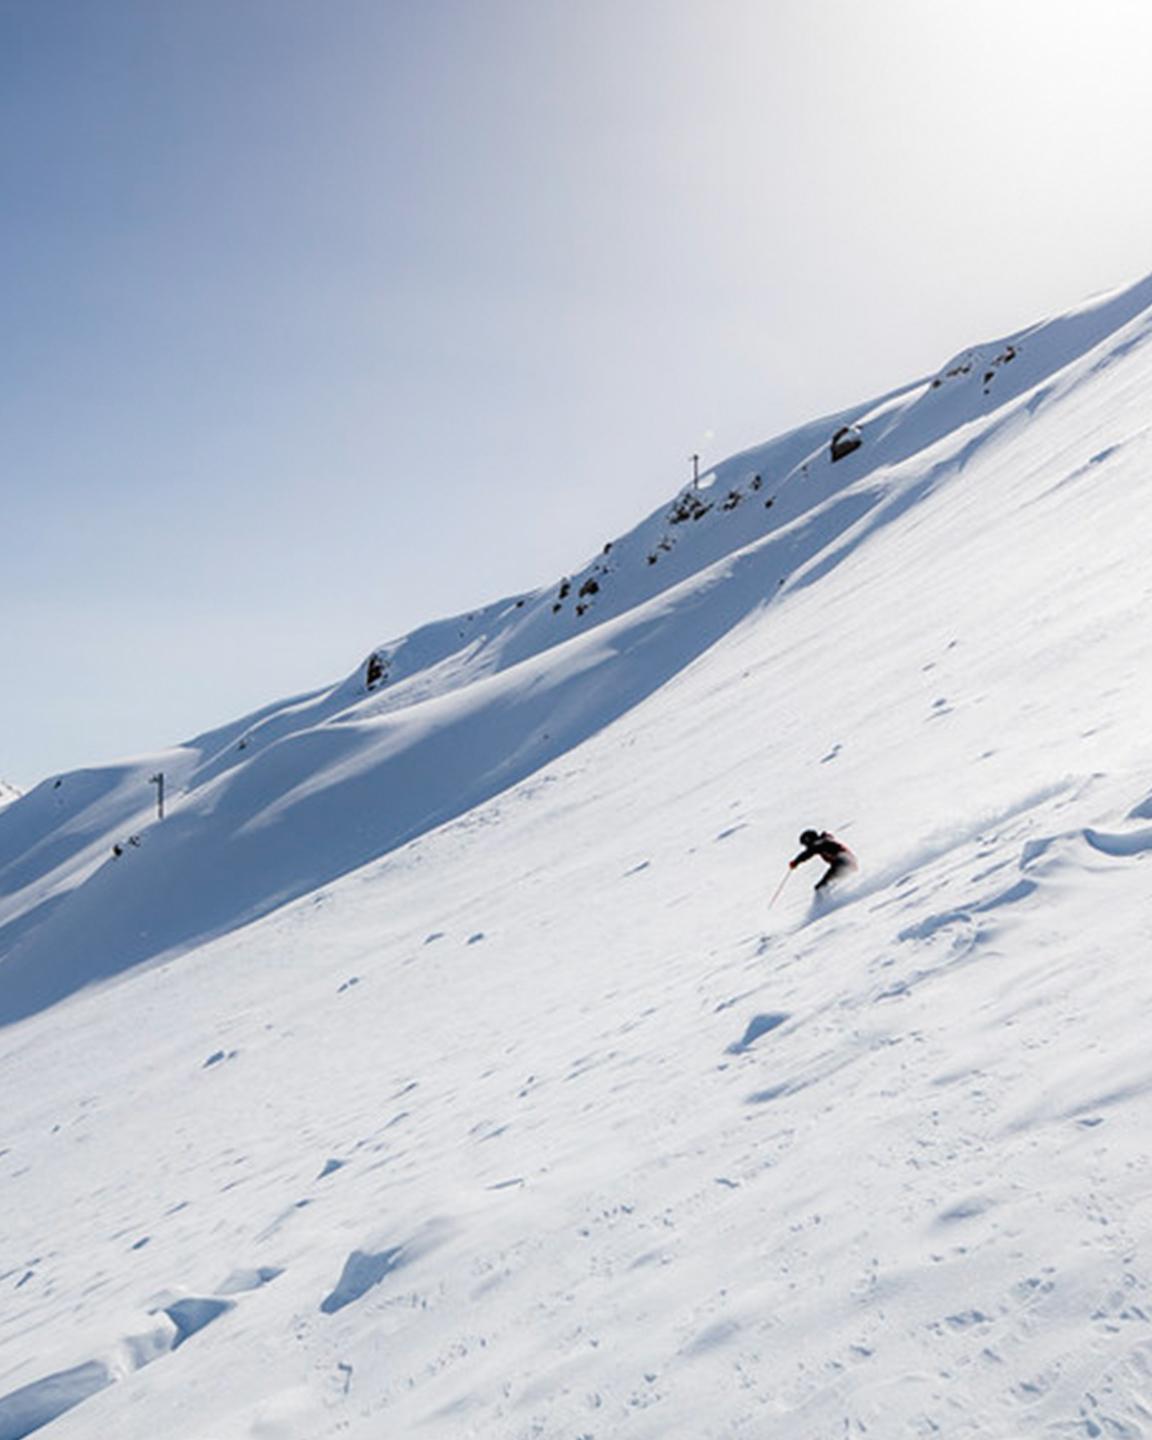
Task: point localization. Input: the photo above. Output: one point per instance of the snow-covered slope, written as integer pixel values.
(8, 793)
(538, 1122)
(270, 807)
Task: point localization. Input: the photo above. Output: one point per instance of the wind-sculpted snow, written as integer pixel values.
(539, 1098)
(33, 1406)
(363, 1270)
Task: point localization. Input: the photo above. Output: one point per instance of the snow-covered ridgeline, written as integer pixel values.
(284, 800)
(541, 1124)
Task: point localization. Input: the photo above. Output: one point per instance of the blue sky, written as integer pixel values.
(323, 318)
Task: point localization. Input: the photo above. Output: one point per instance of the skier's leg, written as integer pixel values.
(841, 865)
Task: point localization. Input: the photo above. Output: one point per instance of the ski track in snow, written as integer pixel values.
(541, 1123)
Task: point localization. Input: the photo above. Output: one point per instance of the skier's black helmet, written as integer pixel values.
(809, 837)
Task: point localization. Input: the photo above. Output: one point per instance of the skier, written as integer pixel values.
(833, 852)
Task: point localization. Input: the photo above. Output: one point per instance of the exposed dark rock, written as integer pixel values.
(845, 440)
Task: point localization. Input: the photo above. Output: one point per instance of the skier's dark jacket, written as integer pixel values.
(835, 855)
(826, 846)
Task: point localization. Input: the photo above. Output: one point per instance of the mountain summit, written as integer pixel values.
(436, 1063)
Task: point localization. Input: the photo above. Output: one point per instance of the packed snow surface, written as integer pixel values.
(439, 1066)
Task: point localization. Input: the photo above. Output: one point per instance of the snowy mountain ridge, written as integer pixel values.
(753, 529)
(472, 1088)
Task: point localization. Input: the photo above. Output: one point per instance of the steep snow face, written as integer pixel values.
(543, 1123)
(271, 807)
(8, 793)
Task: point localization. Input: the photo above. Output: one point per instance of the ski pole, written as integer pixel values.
(776, 892)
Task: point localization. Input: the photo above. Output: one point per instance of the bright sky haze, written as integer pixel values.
(324, 318)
